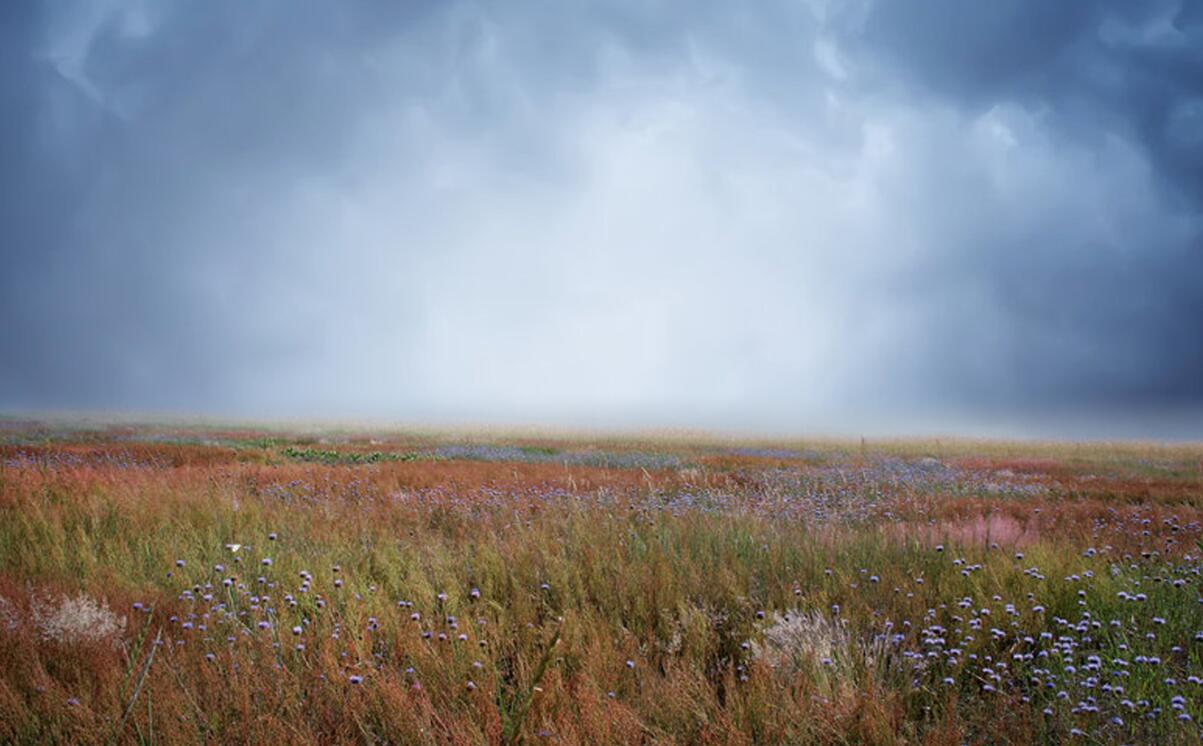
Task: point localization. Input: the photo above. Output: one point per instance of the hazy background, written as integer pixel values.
(803, 216)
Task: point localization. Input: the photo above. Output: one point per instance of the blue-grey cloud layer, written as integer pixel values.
(790, 214)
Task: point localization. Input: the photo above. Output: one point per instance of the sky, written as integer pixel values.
(789, 215)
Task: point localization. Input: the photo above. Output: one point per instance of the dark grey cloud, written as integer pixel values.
(1100, 76)
(858, 214)
(1096, 68)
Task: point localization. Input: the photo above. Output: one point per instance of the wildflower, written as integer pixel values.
(356, 679)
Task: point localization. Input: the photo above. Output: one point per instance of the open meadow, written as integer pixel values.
(185, 584)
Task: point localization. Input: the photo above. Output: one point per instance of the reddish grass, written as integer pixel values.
(109, 518)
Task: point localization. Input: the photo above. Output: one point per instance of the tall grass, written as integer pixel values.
(587, 605)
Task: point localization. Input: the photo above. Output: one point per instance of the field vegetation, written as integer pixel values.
(183, 585)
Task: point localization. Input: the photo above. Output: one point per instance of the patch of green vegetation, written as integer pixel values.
(319, 456)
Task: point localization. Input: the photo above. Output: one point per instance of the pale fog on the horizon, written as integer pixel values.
(862, 216)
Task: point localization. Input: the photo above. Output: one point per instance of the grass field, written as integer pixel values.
(179, 585)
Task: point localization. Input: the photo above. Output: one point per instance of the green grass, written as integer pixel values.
(318, 456)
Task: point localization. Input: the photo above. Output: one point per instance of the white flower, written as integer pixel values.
(79, 619)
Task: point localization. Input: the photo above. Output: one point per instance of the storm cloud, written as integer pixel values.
(799, 215)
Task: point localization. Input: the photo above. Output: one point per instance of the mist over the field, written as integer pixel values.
(865, 216)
